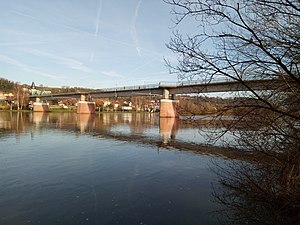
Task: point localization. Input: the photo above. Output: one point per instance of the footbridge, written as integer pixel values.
(167, 91)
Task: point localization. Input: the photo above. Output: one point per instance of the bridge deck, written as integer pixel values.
(174, 88)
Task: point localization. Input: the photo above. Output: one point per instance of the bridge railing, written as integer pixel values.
(126, 88)
(162, 84)
(195, 82)
(209, 81)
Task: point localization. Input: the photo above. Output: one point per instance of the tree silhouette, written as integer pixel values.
(240, 41)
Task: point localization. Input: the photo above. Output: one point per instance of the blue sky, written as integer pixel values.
(85, 43)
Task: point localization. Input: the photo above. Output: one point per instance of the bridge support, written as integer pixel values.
(39, 106)
(168, 107)
(84, 106)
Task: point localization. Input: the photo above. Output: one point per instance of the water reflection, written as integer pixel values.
(254, 188)
(261, 193)
(168, 128)
(142, 128)
(85, 122)
(39, 118)
(125, 123)
(99, 169)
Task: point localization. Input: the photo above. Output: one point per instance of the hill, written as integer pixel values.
(6, 85)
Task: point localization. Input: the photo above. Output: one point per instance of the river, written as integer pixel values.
(110, 168)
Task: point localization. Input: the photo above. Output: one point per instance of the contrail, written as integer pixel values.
(143, 65)
(96, 28)
(133, 28)
(98, 18)
(50, 22)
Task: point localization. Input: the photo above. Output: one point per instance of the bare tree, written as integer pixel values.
(240, 41)
(20, 93)
(247, 39)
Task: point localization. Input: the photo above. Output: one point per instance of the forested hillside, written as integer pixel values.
(6, 85)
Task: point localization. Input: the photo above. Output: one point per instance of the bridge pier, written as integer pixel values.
(84, 106)
(168, 107)
(39, 106)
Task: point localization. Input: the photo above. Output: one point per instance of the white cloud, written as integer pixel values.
(46, 21)
(24, 67)
(22, 14)
(111, 73)
(6, 59)
(70, 63)
(20, 43)
(44, 74)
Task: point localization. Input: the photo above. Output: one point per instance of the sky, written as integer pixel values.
(85, 43)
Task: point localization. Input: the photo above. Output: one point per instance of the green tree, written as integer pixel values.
(6, 85)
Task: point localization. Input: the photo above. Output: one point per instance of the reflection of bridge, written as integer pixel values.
(168, 91)
(139, 128)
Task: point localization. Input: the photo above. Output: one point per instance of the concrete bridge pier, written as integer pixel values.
(84, 106)
(168, 107)
(39, 106)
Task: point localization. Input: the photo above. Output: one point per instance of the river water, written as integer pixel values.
(113, 168)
